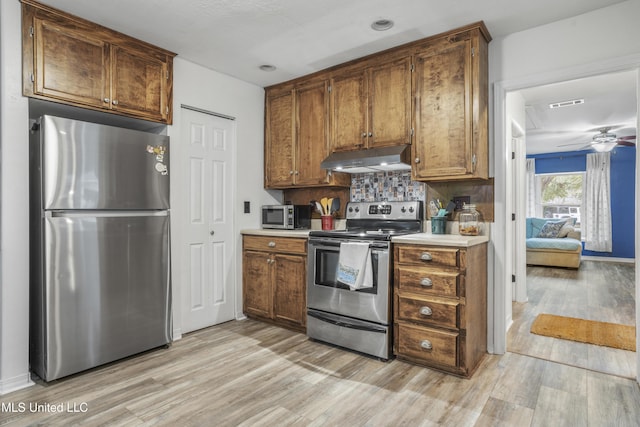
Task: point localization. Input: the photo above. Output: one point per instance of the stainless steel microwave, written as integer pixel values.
(287, 217)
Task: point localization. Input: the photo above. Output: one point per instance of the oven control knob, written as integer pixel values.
(357, 209)
(411, 209)
(403, 209)
(350, 209)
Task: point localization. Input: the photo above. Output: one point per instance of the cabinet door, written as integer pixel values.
(312, 134)
(70, 65)
(278, 154)
(390, 104)
(139, 84)
(256, 283)
(443, 118)
(290, 302)
(348, 112)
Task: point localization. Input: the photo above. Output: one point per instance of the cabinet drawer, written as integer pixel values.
(428, 281)
(425, 255)
(430, 345)
(275, 244)
(434, 312)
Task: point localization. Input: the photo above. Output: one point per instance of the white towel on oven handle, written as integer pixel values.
(354, 265)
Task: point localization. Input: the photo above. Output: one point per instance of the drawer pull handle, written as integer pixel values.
(272, 244)
(426, 256)
(426, 311)
(426, 344)
(426, 282)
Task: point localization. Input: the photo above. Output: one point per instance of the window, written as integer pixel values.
(559, 195)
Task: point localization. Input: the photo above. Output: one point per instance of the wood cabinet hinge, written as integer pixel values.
(473, 52)
(513, 278)
(474, 160)
(33, 79)
(167, 109)
(329, 88)
(513, 155)
(31, 31)
(412, 67)
(513, 217)
(167, 74)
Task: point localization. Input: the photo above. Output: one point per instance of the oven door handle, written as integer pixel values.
(345, 324)
(335, 244)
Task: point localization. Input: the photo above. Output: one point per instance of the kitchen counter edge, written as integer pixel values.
(440, 239)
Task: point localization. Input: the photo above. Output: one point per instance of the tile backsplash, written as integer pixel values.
(386, 186)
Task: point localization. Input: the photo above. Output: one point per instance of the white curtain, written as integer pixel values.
(596, 204)
(531, 188)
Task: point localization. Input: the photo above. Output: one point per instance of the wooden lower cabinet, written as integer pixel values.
(274, 280)
(440, 306)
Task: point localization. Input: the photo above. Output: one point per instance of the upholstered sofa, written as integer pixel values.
(553, 242)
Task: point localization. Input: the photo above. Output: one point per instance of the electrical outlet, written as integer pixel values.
(460, 201)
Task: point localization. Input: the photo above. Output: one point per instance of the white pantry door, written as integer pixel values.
(208, 273)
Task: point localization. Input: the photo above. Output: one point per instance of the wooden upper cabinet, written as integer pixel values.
(371, 108)
(450, 82)
(297, 137)
(279, 135)
(312, 134)
(349, 111)
(70, 64)
(390, 104)
(139, 83)
(73, 61)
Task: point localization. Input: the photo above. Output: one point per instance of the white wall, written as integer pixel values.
(605, 40)
(199, 87)
(14, 206)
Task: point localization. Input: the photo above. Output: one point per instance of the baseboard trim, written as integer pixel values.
(16, 383)
(608, 259)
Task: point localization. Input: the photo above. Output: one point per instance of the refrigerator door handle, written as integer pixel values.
(102, 214)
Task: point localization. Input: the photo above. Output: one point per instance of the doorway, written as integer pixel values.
(207, 242)
(588, 292)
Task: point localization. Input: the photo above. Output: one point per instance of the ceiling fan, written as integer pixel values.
(604, 140)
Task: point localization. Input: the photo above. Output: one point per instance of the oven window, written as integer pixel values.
(326, 270)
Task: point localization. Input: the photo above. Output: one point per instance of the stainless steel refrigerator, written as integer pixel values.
(100, 286)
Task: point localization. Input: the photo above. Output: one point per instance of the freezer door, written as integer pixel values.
(107, 291)
(90, 166)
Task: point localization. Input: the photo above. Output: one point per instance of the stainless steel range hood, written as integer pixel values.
(371, 160)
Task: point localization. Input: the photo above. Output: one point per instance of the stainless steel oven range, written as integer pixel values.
(359, 320)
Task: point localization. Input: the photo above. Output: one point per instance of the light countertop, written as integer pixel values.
(440, 239)
(414, 239)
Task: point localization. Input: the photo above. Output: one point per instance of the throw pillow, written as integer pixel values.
(551, 229)
(566, 229)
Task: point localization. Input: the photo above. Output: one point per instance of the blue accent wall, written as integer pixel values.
(623, 170)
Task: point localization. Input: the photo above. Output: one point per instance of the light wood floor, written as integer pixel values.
(247, 373)
(596, 291)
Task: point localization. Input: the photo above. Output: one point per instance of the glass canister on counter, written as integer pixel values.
(469, 221)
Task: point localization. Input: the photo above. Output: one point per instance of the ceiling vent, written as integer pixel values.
(566, 103)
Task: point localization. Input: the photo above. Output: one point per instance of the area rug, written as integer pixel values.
(586, 331)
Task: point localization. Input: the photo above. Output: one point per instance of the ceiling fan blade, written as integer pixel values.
(627, 143)
(569, 145)
(627, 138)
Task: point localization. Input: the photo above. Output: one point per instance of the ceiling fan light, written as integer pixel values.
(604, 137)
(603, 147)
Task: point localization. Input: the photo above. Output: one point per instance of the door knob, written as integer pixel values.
(212, 232)
(417, 159)
(114, 102)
